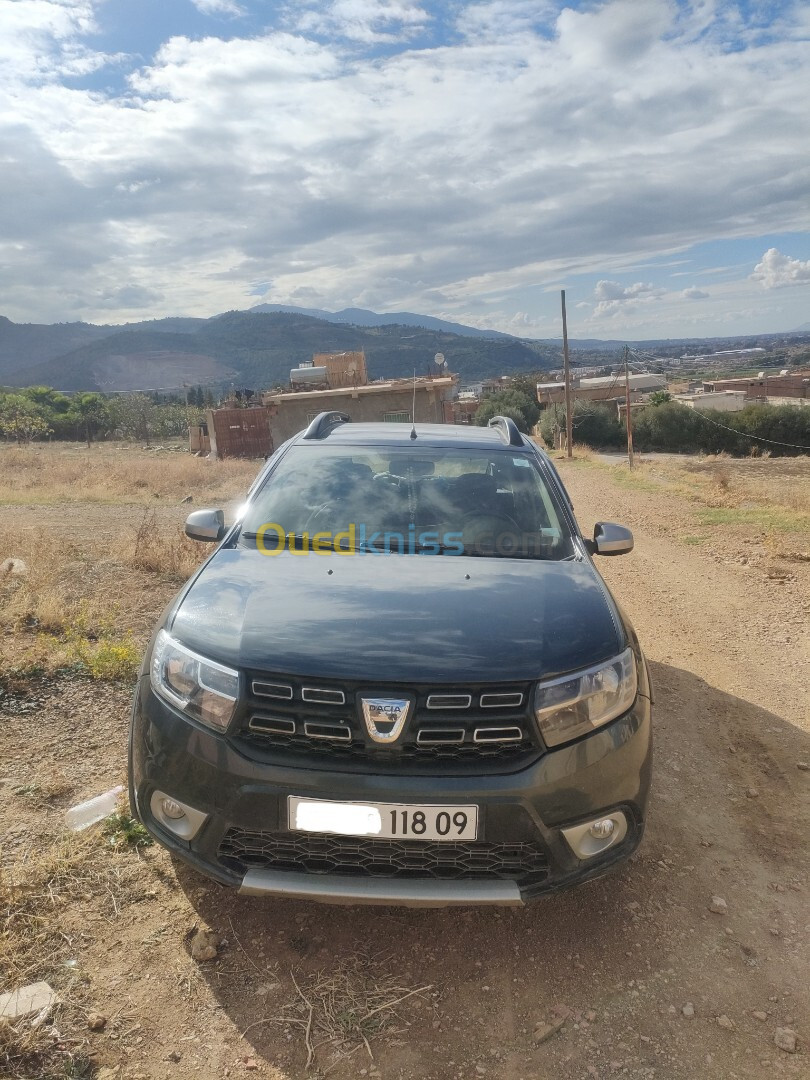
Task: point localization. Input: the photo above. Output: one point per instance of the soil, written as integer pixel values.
(633, 975)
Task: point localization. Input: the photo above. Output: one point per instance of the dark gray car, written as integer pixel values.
(398, 679)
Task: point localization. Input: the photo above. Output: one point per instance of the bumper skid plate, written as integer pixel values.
(345, 889)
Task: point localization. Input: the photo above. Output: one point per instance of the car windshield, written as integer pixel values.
(426, 501)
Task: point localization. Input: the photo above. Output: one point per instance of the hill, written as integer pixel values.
(248, 348)
(363, 317)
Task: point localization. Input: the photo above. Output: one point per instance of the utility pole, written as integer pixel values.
(567, 369)
(627, 417)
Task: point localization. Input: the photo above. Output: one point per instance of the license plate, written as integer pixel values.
(385, 821)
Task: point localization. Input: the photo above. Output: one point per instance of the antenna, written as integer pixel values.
(413, 408)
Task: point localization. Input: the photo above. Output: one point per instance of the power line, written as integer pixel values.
(745, 435)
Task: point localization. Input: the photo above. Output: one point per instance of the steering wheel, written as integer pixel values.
(389, 478)
(316, 514)
(476, 526)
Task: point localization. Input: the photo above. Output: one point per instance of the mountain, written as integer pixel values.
(244, 348)
(362, 317)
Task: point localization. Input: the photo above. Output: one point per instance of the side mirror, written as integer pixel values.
(610, 539)
(207, 526)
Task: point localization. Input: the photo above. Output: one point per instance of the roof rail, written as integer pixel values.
(323, 424)
(507, 429)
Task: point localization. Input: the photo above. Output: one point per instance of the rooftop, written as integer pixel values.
(442, 382)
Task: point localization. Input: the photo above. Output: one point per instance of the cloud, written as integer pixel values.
(694, 293)
(361, 20)
(218, 7)
(358, 149)
(777, 271)
(497, 19)
(129, 296)
(612, 296)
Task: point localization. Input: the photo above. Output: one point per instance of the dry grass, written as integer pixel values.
(158, 549)
(89, 600)
(55, 590)
(36, 899)
(111, 473)
(342, 1012)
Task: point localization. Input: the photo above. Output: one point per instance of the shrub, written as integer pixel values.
(512, 403)
(594, 423)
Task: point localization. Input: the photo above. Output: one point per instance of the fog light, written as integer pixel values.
(601, 830)
(591, 838)
(178, 817)
(174, 810)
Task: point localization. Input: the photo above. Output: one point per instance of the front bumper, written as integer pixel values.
(521, 813)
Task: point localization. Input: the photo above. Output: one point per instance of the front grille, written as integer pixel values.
(241, 850)
(449, 727)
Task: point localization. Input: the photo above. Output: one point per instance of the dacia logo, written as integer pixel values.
(385, 717)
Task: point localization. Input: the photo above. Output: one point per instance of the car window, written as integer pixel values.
(411, 501)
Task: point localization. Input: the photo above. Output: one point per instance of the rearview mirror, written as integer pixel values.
(207, 526)
(610, 539)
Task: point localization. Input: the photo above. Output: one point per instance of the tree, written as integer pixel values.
(134, 415)
(22, 419)
(660, 397)
(594, 423)
(512, 403)
(50, 400)
(90, 414)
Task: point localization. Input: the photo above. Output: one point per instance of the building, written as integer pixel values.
(389, 400)
(608, 388)
(723, 400)
(234, 433)
(343, 369)
(643, 381)
(329, 371)
(786, 384)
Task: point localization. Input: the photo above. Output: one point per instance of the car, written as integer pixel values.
(398, 679)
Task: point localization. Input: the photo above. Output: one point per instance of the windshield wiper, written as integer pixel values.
(273, 542)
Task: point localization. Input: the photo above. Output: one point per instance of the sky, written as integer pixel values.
(459, 159)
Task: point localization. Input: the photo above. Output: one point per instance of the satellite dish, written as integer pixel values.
(439, 359)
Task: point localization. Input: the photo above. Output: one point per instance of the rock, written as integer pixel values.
(752, 793)
(204, 945)
(543, 1032)
(785, 1039)
(758, 1014)
(688, 1010)
(590, 1015)
(803, 765)
(26, 1001)
(718, 906)
(251, 1063)
(724, 1022)
(560, 1012)
(14, 567)
(188, 499)
(96, 1021)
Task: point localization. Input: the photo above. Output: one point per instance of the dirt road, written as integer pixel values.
(647, 979)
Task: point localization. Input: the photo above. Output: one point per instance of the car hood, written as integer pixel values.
(399, 618)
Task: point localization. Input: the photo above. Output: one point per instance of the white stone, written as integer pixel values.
(785, 1039)
(26, 1001)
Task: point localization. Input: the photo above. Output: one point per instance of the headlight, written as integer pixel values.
(203, 689)
(576, 704)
